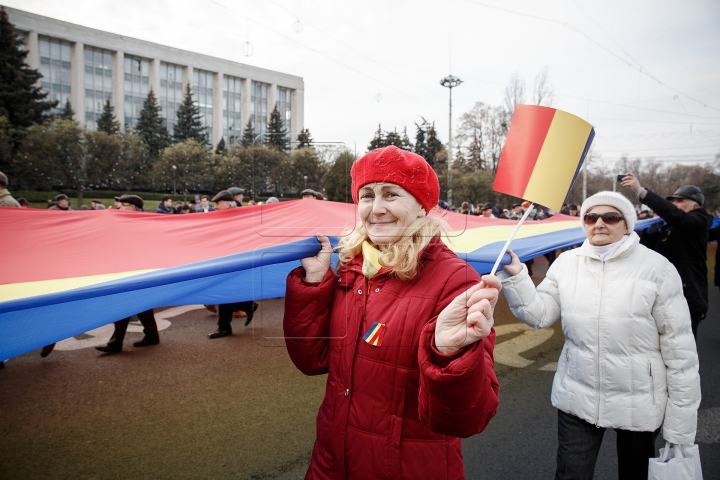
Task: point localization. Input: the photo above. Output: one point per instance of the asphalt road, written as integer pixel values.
(236, 407)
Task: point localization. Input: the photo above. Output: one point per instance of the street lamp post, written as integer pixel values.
(450, 82)
(174, 170)
(305, 178)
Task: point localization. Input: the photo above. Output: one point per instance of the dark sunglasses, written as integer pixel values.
(608, 218)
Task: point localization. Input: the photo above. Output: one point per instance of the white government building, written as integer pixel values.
(88, 66)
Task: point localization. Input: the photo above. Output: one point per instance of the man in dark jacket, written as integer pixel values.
(685, 243)
(237, 194)
(61, 203)
(224, 200)
(132, 203)
(165, 205)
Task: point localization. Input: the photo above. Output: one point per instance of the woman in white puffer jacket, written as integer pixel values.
(629, 361)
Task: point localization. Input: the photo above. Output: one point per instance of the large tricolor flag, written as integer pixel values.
(543, 153)
(65, 273)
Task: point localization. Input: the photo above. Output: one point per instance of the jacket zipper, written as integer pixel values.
(599, 380)
(567, 363)
(652, 381)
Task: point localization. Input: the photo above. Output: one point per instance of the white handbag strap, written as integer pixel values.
(666, 452)
(679, 451)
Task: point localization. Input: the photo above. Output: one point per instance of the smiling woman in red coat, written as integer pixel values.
(402, 327)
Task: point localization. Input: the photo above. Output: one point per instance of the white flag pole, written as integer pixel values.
(512, 235)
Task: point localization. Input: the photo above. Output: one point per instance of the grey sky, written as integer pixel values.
(374, 61)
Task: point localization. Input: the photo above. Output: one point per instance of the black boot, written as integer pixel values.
(146, 341)
(116, 341)
(219, 333)
(147, 319)
(47, 350)
(110, 347)
(251, 313)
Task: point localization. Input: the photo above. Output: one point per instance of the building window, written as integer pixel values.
(171, 93)
(203, 98)
(232, 124)
(137, 87)
(258, 107)
(98, 84)
(55, 69)
(284, 108)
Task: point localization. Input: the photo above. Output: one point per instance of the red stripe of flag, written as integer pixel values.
(377, 336)
(529, 127)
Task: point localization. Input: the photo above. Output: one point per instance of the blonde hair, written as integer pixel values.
(402, 255)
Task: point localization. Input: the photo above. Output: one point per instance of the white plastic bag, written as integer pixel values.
(676, 462)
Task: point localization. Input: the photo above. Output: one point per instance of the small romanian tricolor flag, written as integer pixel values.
(374, 336)
(543, 154)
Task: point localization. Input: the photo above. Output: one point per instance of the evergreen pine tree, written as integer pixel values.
(277, 134)
(188, 125)
(393, 138)
(406, 143)
(248, 136)
(433, 145)
(151, 127)
(22, 101)
(107, 123)
(220, 149)
(378, 140)
(304, 139)
(420, 140)
(67, 112)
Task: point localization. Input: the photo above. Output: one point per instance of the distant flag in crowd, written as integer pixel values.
(543, 153)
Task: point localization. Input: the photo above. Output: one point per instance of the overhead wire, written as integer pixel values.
(363, 55)
(632, 106)
(360, 72)
(590, 17)
(630, 63)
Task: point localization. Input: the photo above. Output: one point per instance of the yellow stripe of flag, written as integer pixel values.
(558, 159)
(16, 291)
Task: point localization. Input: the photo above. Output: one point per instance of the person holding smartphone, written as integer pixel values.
(684, 241)
(629, 361)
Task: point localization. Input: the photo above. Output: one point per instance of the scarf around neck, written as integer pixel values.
(371, 260)
(607, 251)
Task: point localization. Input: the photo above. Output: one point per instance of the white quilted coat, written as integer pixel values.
(629, 359)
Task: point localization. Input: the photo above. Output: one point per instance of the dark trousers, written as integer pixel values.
(579, 444)
(147, 319)
(551, 257)
(225, 313)
(696, 318)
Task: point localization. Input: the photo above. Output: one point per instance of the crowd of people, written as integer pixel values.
(201, 203)
(409, 359)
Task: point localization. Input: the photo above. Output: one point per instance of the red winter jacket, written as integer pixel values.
(397, 410)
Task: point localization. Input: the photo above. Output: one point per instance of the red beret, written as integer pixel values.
(394, 165)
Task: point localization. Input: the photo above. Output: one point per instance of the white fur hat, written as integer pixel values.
(611, 199)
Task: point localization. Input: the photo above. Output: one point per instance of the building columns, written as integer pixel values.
(77, 81)
(187, 78)
(217, 121)
(297, 103)
(33, 48)
(271, 100)
(155, 77)
(245, 99)
(118, 87)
